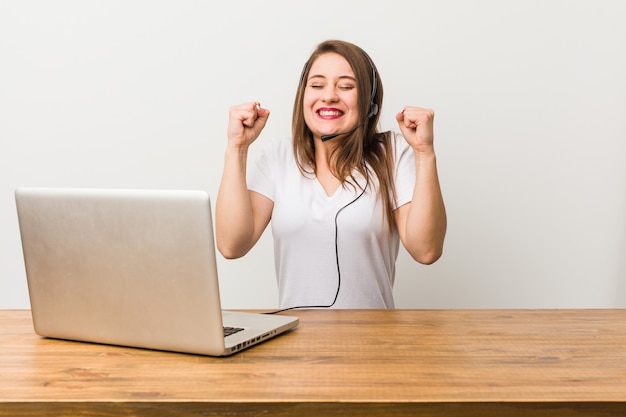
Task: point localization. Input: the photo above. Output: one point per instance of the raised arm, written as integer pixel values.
(240, 215)
(422, 223)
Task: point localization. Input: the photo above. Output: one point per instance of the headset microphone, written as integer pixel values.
(334, 135)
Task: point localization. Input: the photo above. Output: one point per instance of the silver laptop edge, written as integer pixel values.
(130, 267)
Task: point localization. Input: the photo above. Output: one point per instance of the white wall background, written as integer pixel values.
(530, 101)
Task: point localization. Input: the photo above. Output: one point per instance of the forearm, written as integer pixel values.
(426, 222)
(234, 223)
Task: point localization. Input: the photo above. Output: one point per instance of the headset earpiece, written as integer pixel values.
(373, 106)
(373, 110)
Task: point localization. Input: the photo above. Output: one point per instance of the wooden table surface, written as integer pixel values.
(338, 363)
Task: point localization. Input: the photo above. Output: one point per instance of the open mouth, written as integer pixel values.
(330, 113)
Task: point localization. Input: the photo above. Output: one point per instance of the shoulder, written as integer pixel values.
(400, 145)
(397, 144)
(277, 147)
(275, 155)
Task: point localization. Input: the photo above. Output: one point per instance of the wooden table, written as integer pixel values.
(338, 363)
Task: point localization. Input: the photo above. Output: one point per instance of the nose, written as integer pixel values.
(329, 94)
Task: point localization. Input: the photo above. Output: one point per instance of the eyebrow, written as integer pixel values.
(342, 77)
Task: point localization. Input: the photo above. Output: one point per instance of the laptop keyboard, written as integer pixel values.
(231, 330)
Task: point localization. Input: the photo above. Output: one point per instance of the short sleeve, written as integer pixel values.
(262, 173)
(405, 170)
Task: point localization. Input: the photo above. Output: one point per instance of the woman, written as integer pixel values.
(340, 194)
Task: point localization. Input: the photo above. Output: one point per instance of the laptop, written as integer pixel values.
(132, 268)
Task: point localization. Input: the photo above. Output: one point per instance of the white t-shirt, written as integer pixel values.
(309, 271)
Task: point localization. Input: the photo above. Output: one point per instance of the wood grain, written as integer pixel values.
(336, 363)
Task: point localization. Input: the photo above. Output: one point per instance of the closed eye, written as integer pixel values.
(341, 87)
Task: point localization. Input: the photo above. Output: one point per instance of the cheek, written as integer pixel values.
(308, 100)
(352, 101)
(307, 107)
(309, 118)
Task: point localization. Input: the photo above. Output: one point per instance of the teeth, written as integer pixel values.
(329, 113)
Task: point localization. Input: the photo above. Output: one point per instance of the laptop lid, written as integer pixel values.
(130, 267)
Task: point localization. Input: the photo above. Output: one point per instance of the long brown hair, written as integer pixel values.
(366, 150)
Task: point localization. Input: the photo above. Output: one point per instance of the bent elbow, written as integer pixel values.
(428, 258)
(230, 252)
(228, 255)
